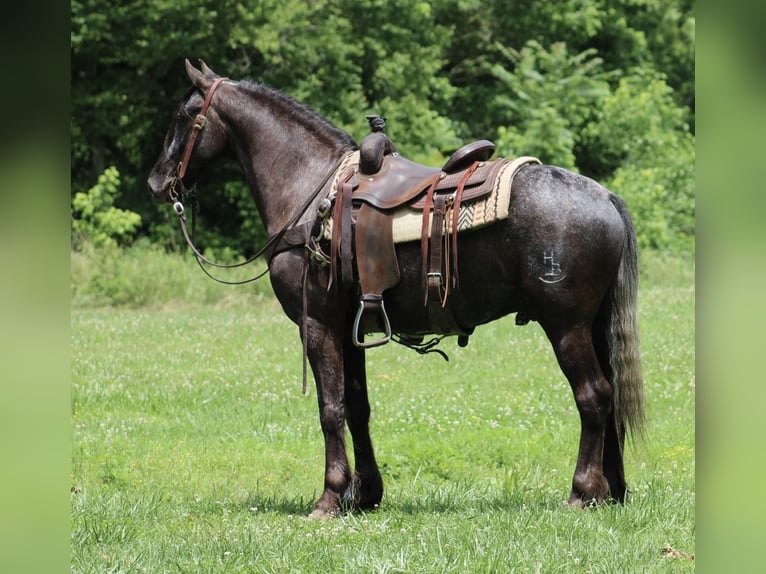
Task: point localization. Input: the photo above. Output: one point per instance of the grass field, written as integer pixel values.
(195, 451)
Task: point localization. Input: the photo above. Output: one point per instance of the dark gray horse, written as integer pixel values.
(565, 257)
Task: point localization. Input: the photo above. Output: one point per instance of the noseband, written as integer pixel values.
(199, 124)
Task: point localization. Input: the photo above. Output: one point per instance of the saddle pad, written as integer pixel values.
(494, 207)
(407, 224)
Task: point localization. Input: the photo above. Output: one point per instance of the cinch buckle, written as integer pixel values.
(438, 275)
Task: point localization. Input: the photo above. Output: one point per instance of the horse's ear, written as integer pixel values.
(198, 78)
(206, 69)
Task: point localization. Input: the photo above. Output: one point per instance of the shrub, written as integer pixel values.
(644, 141)
(96, 220)
(551, 96)
(145, 275)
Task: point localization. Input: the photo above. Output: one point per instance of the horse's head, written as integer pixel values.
(195, 138)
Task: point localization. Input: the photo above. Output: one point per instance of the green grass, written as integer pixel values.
(195, 451)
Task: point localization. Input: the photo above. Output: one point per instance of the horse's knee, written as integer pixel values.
(332, 418)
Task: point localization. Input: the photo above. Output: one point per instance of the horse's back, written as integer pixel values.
(549, 201)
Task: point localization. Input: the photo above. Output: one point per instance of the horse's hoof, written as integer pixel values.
(579, 504)
(321, 514)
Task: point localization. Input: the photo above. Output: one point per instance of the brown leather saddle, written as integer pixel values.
(365, 204)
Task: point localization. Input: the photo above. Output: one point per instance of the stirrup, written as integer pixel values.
(375, 303)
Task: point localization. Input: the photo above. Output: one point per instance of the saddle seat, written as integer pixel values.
(387, 181)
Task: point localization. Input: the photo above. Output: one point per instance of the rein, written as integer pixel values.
(272, 243)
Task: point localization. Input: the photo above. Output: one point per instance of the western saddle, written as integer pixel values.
(365, 202)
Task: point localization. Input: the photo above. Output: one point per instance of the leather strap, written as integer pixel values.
(456, 218)
(440, 314)
(346, 245)
(424, 234)
(305, 321)
(340, 245)
(199, 124)
(435, 278)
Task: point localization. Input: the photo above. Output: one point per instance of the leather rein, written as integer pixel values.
(272, 245)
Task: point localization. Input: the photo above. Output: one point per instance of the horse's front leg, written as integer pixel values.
(368, 484)
(325, 354)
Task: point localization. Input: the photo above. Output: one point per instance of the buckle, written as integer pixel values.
(436, 275)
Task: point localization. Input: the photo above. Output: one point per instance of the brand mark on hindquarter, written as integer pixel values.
(553, 273)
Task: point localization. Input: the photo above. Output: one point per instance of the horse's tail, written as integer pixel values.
(622, 335)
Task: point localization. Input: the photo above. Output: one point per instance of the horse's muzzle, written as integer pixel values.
(161, 187)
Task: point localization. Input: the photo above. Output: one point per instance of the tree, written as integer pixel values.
(644, 140)
(537, 80)
(548, 100)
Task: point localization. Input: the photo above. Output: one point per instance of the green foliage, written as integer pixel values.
(95, 219)
(536, 79)
(550, 97)
(643, 141)
(145, 275)
(632, 137)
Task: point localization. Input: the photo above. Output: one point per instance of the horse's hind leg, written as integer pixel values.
(368, 485)
(614, 437)
(614, 442)
(593, 396)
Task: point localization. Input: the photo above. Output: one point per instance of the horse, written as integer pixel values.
(565, 257)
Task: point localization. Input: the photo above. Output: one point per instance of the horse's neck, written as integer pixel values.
(283, 161)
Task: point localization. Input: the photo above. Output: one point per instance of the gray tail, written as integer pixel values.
(622, 335)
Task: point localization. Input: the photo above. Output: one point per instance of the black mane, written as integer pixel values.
(287, 106)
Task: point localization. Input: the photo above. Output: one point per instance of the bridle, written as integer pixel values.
(273, 244)
(199, 124)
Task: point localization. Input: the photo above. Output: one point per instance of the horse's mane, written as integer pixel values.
(287, 106)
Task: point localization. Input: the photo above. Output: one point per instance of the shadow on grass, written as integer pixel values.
(296, 506)
(432, 498)
(448, 499)
(445, 499)
(467, 503)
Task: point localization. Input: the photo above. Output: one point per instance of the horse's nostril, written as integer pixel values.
(157, 187)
